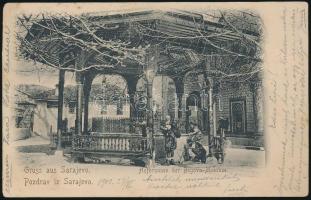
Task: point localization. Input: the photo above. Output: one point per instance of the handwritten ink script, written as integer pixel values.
(289, 98)
(41, 173)
(163, 178)
(6, 103)
(181, 178)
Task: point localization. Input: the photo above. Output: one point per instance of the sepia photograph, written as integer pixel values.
(143, 101)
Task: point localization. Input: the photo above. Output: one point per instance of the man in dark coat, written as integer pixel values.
(168, 131)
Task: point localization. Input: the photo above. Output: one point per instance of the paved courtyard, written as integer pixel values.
(36, 151)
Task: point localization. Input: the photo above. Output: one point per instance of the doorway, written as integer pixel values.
(193, 110)
(238, 116)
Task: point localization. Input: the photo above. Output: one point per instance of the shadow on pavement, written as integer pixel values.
(43, 148)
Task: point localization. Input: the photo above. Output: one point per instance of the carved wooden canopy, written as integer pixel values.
(117, 42)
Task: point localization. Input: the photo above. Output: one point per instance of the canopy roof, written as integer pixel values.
(117, 40)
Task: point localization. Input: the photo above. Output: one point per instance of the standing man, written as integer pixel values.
(170, 139)
(222, 128)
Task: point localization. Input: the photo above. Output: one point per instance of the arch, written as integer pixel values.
(141, 85)
(113, 79)
(193, 109)
(196, 89)
(106, 98)
(194, 81)
(109, 89)
(194, 99)
(164, 99)
(164, 96)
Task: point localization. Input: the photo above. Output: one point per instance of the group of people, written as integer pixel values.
(193, 144)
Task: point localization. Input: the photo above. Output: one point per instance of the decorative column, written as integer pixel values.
(152, 56)
(149, 114)
(208, 111)
(61, 83)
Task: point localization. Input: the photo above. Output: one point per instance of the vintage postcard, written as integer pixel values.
(155, 99)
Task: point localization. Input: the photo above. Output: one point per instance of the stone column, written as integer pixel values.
(60, 88)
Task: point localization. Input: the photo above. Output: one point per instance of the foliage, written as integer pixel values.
(231, 52)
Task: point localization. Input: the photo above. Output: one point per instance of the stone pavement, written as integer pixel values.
(233, 156)
(35, 150)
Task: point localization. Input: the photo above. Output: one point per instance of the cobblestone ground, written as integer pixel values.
(35, 151)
